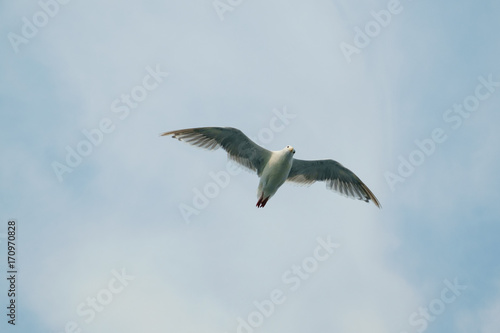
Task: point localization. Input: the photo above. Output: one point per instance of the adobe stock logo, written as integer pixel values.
(121, 107)
(455, 116)
(372, 29)
(92, 306)
(421, 318)
(31, 27)
(292, 278)
(223, 6)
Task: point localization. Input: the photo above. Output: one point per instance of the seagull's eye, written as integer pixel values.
(288, 146)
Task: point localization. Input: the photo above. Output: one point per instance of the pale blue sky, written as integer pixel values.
(119, 208)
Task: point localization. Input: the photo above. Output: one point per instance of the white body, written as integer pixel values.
(275, 172)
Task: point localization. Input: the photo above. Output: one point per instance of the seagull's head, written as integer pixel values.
(291, 149)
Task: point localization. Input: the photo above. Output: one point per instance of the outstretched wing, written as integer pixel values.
(238, 146)
(336, 176)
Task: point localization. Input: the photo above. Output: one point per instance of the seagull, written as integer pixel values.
(275, 167)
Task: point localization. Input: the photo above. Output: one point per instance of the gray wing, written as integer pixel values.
(238, 146)
(336, 176)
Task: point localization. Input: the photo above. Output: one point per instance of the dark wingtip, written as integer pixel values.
(371, 196)
(375, 200)
(174, 134)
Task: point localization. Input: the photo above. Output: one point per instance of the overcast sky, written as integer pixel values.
(121, 230)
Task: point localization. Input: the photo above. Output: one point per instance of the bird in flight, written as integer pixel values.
(275, 167)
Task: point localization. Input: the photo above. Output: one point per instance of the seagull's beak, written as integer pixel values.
(291, 150)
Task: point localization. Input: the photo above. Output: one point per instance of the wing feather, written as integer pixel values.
(337, 177)
(237, 145)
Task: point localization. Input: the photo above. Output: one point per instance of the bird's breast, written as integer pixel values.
(276, 172)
